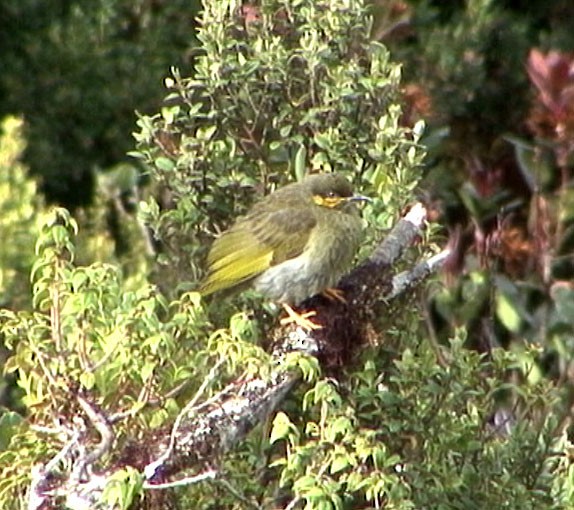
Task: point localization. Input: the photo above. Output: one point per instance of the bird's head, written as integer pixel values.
(332, 191)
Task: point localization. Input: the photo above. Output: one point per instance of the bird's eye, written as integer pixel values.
(331, 194)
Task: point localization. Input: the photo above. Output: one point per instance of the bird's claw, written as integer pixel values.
(301, 319)
(334, 294)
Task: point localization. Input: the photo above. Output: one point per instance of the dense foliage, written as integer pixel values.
(459, 398)
(494, 83)
(77, 70)
(274, 95)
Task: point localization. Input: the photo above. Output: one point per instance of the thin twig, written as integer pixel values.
(151, 468)
(294, 502)
(61, 455)
(403, 281)
(206, 475)
(56, 327)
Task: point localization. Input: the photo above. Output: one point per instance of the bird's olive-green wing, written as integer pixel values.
(254, 244)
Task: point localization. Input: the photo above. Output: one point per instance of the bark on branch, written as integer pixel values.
(190, 450)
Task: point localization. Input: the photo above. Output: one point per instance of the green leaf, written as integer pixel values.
(78, 280)
(322, 140)
(164, 164)
(158, 418)
(146, 371)
(339, 463)
(340, 426)
(507, 312)
(9, 424)
(281, 428)
(87, 380)
(206, 133)
(122, 487)
(301, 163)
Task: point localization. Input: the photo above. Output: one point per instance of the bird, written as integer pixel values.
(294, 243)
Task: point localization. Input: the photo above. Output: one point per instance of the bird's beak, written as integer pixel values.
(359, 198)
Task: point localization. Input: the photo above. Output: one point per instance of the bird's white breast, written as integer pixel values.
(320, 266)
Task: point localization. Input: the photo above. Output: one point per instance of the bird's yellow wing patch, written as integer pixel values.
(253, 245)
(235, 258)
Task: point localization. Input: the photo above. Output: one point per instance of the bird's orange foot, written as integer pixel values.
(333, 294)
(301, 319)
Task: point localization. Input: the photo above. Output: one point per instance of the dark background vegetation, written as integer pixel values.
(77, 71)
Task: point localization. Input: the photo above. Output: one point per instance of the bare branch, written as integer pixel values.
(101, 424)
(408, 279)
(200, 438)
(37, 494)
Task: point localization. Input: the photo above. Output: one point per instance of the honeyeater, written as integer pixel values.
(294, 243)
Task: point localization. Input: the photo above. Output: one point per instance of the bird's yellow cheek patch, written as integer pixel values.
(330, 202)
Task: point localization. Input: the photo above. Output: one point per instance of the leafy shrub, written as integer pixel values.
(407, 423)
